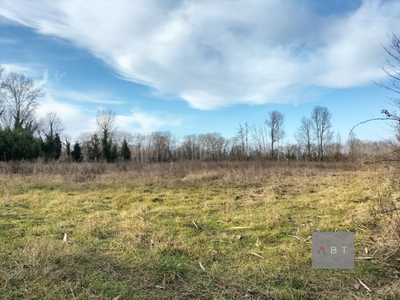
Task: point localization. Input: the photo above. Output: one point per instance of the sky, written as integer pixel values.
(203, 66)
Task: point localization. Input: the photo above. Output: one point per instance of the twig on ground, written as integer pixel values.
(195, 225)
(363, 284)
(201, 266)
(300, 238)
(258, 255)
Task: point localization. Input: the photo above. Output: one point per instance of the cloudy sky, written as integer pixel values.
(202, 66)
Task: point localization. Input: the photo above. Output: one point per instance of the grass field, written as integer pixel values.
(194, 230)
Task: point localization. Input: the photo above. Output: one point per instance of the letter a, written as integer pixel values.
(320, 250)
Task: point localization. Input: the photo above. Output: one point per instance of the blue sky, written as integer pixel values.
(202, 66)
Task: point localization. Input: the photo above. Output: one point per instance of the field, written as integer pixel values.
(192, 230)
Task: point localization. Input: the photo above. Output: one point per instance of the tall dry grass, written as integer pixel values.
(209, 170)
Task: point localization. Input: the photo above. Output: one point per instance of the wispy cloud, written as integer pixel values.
(85, 97)
(26, 69)
(220, 53)
(8, 41)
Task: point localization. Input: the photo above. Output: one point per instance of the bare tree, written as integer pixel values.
(213, 144)
(241, 136)
(275, 124)
(393, 72)
(6, 118)
(51, 124)
(22, 98)
(84, 140)
(67, 143)
(121, 136)
(106, 121)
(304, 136)
(256, 133)
(161, 142)
(338, 146)
(321, 122)
(138, 141)
(189, 145)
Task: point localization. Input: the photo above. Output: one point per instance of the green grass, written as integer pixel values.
(133, 233)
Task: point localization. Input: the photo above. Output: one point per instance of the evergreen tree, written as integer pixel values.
(77, 153)
(106, 147)
(48, 148)
(52, 147)
(68, 149)
(18, 144)
(125, 152)
(94, 148)
(57, 147)
(114, 152)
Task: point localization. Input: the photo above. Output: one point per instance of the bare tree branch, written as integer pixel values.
(51, 124)
(106, 121)
(22, 98)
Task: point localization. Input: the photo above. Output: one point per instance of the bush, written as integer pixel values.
(18, 144)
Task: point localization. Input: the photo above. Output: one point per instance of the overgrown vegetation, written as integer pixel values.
(194, 230)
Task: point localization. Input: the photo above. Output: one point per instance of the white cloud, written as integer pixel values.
(73, 116)
(80, 119)
(220, 53)
(145, 122)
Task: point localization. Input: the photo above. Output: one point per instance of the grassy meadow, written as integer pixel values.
(195, 230)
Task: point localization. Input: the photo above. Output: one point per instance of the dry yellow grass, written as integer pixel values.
(140, 231)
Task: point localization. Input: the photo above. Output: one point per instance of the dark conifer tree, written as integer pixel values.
(18, 144)
(114, 152)
(68, 148)
(57, 147)
(95, 148)
(125, 152)
(106, 147)
(77, 153)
